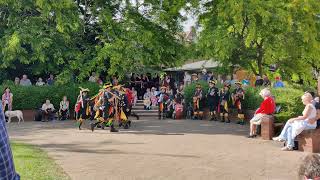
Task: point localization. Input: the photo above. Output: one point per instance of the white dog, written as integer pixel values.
(11, 114)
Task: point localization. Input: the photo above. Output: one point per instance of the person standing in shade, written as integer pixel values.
(16, 81)
(7, 169)
(187, 78)
(25, 81)
(50, 80)
(238, 98)
(259, 81)
(204, 75)
(266, 81)
(213, 100)
(92, 78)
(7, 98)
(40, 82)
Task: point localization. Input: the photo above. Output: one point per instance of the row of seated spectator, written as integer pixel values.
(47, 112)
(25, 81)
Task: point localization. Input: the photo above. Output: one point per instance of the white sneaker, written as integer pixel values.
(278, 139)
(286, 149)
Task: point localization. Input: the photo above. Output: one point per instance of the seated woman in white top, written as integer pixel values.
(64, 108)
(147, 100)
(295, 126)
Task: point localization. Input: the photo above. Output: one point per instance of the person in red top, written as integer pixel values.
(267, 107)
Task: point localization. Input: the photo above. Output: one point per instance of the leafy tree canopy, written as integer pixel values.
(75, 37)
(255, 34)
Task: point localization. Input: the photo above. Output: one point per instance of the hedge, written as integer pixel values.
(32, 97)
(288, 98)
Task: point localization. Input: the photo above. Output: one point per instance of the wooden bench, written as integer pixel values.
(309, 141)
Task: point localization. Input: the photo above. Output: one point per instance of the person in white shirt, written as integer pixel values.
(147, 100)
(47, 111)
(93, 77)
(25, 81)
(40, 82)
(187, 78)
(64, 108)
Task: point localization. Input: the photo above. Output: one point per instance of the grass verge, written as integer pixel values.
(32, 163)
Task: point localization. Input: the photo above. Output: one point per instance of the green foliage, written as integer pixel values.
(33, 97)
(34, 164)
(75, 37)
(255, 34)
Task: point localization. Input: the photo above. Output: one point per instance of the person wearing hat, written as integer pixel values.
(108, 104)
(238, 97)
(204, 75)
(213, 100)
(225, 98)
(194, 78)
(82, 108)
(198, 103)
(163, 98)
(122, 106)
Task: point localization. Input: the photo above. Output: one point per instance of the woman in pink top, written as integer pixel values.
(7, 98)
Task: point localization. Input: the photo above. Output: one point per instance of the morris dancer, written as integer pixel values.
(198, 103)
(163, 97)
(225, 98)
(213, 100)
(238, 97)
(107, 107)
(122, 104)
(82, 108)
(128, 109)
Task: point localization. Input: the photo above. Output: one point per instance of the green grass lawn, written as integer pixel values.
(34, 164)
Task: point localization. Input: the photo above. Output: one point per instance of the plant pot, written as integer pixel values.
(28, 115)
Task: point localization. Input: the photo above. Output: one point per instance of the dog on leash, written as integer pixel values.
(11, 114)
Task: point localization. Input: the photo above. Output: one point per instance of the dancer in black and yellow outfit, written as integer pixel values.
(122, 104)
(198, 103)
(162, 101)
(107, 107)
(225, 98)
(82, 106)
(213, 100)
(238, 97)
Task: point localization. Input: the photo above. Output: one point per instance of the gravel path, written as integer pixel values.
(160, 150)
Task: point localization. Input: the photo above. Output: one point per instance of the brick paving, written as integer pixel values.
(160, 150)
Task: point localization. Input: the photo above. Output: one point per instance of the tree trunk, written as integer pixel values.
(260, 69)
(318, 86)
(260, 57)
(253, 69)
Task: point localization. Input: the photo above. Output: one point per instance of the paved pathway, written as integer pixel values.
(160, 150)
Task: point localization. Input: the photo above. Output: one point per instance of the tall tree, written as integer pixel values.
(79, 36)
(254, 33)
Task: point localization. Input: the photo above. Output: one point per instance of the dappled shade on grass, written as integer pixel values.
(34, 164)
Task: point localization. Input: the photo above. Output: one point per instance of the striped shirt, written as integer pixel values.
(7, 170)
